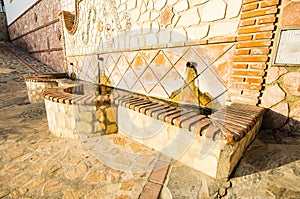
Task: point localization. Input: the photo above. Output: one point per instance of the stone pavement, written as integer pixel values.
(36, 164)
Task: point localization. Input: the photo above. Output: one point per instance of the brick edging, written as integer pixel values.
(157, 178)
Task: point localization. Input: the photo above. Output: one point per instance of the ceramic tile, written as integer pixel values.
(210, 53)
(129, 56)
(122, 84)
(130, 77)
(209, 82)
(181, 67)
(115, 76)
(192, 56)
(159, 91)
(122, 65)
(174, 54)
(160, 65)
(223, 66)
(109, 65)
(148, 80)
(138, 88)
(149, 55)
(172, 81)
(139, 65)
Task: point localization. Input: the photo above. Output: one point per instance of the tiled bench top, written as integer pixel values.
(51, 77)
(232, 121)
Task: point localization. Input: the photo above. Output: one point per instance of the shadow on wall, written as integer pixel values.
(271, 149)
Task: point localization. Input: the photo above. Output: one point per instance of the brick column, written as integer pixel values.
(255, 34)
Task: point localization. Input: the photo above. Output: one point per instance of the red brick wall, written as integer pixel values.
(39, 32)
(255, 35)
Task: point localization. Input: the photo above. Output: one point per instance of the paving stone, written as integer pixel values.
(94, 177)
(52, 187)
(3, 192)
(126, 186)
(70, 194)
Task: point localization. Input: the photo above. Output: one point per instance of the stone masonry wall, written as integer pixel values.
(145, 45)
(39, 32)
(282, 84)
(3, 27)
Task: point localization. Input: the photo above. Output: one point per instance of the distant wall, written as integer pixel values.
(15, 8)
(3, 27)
(38, 31)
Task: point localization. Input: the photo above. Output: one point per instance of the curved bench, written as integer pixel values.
(210, 141)
(36, 85)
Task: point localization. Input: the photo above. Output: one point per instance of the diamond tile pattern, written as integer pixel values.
(161, 72)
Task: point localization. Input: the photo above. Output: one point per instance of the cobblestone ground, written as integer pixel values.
(36, 164)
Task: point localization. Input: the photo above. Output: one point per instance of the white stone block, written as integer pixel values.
(154, 15)
(155, 27)
(134, 14)
(191, 17)
(160, 4)
(197, 32)
(181, 6)
(151, 39)
(178, 35)
(233, 8)
(146, 27)
(213, 10)
(223, 28)
(164, 36)
(131, 4)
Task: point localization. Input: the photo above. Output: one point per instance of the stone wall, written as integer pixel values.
(3, 27)
(39, 32)
(145, 45)
(282, 83)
